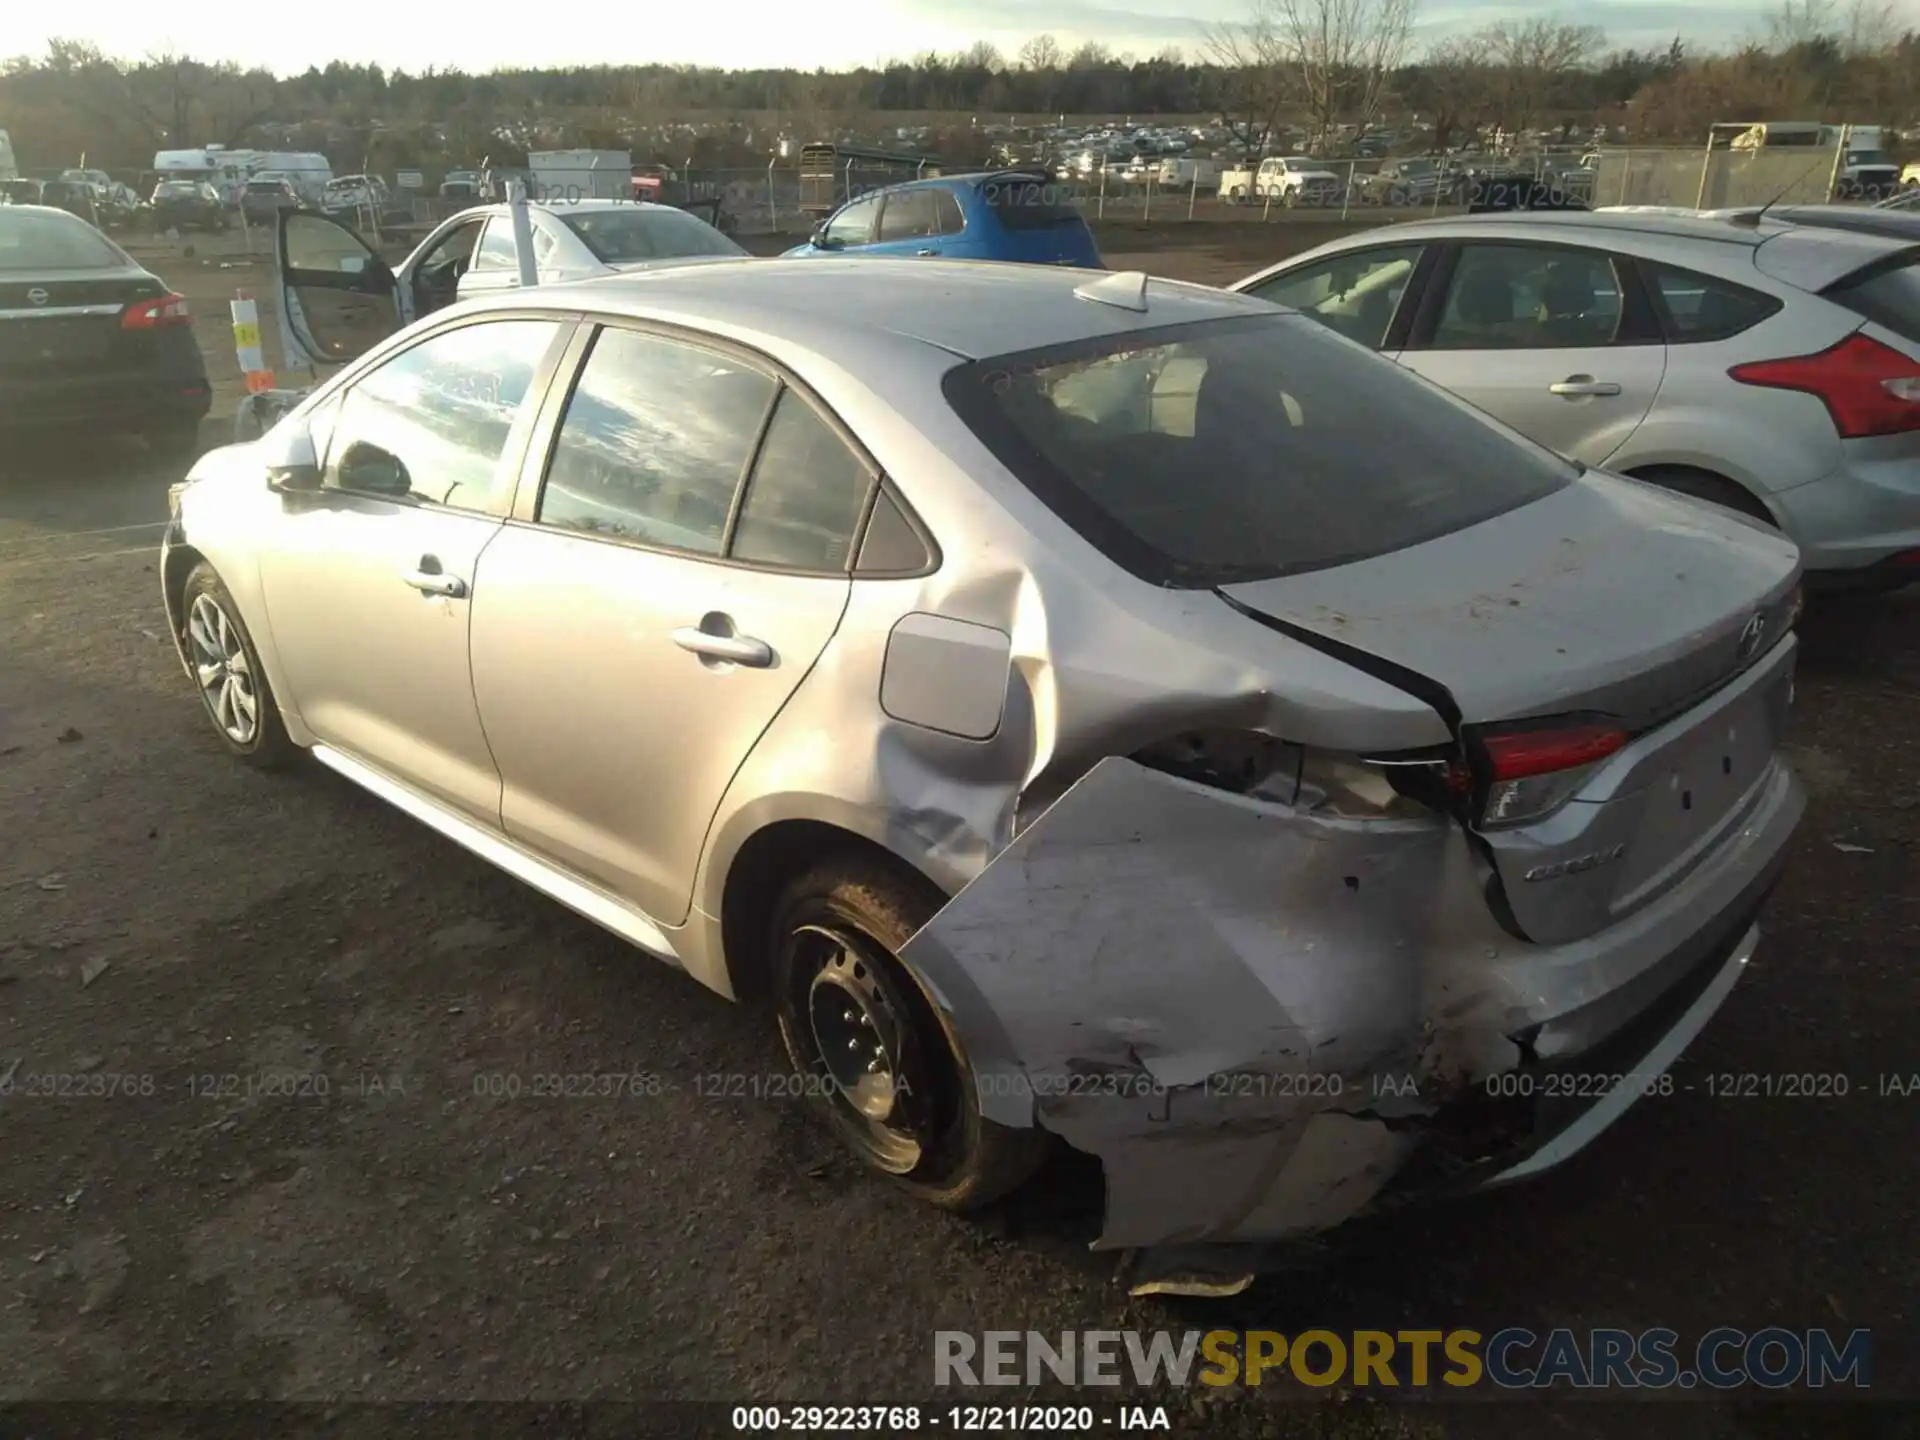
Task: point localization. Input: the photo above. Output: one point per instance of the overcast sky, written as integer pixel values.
(749, 33)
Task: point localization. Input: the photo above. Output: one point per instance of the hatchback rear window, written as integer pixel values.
(30, 241)
(1030, 203)
(1886, 295)
(1234, 450)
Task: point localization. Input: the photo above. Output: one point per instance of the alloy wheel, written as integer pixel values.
(224, 673)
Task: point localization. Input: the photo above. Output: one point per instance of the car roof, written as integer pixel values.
(972, 309)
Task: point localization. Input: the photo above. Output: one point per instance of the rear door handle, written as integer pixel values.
(739, 649)
(430, 579)
(1577, 385)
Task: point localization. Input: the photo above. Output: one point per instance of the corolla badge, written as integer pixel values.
(1578, 864)
(1752, 635)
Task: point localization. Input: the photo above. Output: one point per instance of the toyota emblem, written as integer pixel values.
(1751, 635)
(37, 295)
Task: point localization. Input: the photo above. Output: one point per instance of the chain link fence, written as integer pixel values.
(1715, 179)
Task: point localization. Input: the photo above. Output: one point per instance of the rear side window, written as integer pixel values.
(1700, 308)
(806, 496)
(496, 250)
(1888, 296)
(1234, 450)
(1028, 203)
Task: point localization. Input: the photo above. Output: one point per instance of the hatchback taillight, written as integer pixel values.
(1868, 388)
(154, 314)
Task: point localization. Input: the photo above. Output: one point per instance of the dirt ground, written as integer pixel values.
(168, 918)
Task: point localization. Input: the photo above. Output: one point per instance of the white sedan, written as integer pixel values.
(473, 253)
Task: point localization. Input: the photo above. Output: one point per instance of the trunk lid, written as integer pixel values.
(1607, 595)
(1663, 616)
(59, 322)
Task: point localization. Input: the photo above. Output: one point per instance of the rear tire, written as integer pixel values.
(233, 685)
(1704, 485)
(882, 1067)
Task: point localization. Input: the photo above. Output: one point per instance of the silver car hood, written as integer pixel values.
(1608, 595)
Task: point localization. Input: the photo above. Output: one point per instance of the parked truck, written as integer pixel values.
(1283, 179)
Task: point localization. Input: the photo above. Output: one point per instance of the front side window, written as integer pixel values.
(854, 225)
(1529, 297)
(1233, 450)
(432, 422)
(654, 441)
(1355, 294)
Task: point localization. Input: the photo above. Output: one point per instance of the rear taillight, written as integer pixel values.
(1868, 388)
(1531, 772)
(153, 314)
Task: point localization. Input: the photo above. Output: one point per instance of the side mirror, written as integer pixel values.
(293, 467)
(822, 240)
(373, 471)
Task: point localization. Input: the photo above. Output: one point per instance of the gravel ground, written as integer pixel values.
(167, 917)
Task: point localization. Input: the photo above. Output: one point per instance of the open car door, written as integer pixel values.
(339, 297)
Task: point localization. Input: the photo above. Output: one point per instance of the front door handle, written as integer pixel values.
(1575, 386)
(430, 579)
(926, 252)
(739, 649)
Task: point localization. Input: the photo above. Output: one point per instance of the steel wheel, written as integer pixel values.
(846, 1006)
(224, 673)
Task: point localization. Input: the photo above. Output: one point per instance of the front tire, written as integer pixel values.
(882, 1066)
(233, 685)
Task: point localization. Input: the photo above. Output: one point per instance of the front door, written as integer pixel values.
(909, 225)
(643, 624)
(338, 296)
(370, 582)
(1548, 338)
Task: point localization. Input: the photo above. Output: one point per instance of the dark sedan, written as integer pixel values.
(90, 339)
(188, 205)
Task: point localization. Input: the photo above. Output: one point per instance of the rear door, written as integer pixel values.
(1558, 341)
(663, 588)
(909, 225)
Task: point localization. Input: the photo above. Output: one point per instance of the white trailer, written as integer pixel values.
(562, 175)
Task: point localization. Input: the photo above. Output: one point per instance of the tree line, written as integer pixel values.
(1323, 67)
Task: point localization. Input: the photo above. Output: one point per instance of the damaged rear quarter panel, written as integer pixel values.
(1200, 989)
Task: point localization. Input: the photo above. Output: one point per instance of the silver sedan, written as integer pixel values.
(1063, 698)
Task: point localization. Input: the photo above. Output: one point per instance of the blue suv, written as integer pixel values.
(1018, 215)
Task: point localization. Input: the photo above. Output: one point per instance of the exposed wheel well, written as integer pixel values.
(1707, 485)
(180, 562)
(770, 858)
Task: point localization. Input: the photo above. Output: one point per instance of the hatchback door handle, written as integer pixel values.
(740, 649)
(430, 579)
(1577, 385)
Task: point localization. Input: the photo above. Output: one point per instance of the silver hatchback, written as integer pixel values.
(1062, 699)
(1771, 367)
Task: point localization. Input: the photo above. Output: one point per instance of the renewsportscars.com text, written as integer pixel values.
(1513, 1358)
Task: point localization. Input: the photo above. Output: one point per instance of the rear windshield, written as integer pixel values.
(1235, 450)
(1888, 296)
(1030, 203)
(619, 237)
(168, 189)
(34, 241)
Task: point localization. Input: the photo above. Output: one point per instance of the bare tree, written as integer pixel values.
(1255, 76)
(1042, 52)
(1342, 52)
(1455, 84)
(1533, 57)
